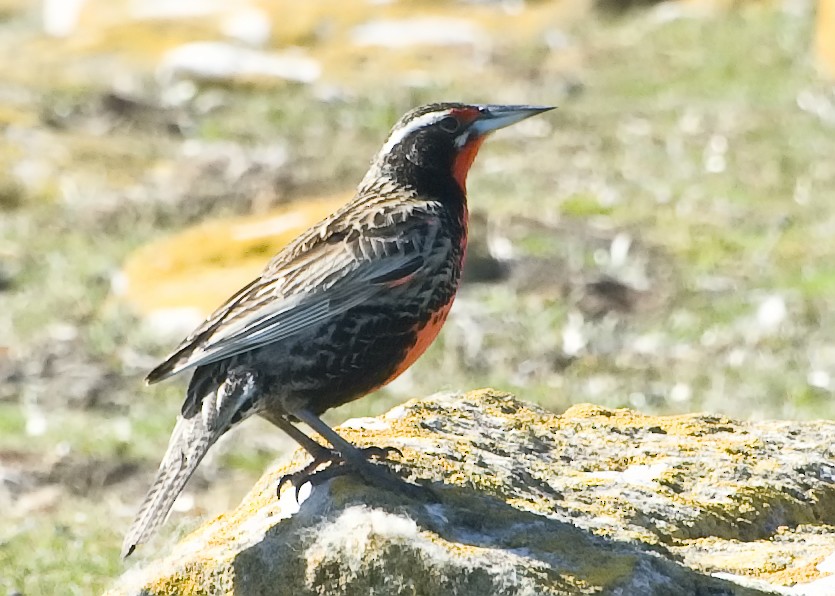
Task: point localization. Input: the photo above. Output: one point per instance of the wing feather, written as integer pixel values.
(302, 290)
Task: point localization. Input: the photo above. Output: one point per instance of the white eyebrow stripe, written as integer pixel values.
(419, 122)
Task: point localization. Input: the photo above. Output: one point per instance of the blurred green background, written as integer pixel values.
(664, 241)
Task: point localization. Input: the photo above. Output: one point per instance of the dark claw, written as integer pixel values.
(281, 481)
(297, 479)
(370, 473)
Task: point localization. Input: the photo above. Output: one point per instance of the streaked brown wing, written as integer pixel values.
(324, 273)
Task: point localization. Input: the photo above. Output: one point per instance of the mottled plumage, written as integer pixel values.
(339, 312)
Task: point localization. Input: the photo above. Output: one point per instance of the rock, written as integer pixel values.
(226, 62)
(60, 17)
(423, 31)
(185, 9)
(593, 501)
(251, 26)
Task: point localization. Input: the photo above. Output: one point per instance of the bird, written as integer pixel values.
(339, 312)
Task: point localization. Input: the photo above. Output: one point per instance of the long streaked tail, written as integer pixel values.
(191, 439)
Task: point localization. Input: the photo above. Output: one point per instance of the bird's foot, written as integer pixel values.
(338, 466)
(297, 479)
(382, 476)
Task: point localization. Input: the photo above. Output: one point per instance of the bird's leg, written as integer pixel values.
(312, 446)
(356, 459)
(319, 453)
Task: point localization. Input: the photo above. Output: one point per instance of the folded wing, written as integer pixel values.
(316, 278)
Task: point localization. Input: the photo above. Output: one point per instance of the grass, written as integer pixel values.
(686, 140)
(45, 554)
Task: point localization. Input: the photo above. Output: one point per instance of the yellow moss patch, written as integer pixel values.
(770, 561)
(588, 411)
(685, 425)
(800, 574)
(825, 37)
(196, 579)
(202, 266)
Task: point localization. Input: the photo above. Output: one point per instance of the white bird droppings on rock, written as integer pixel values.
(827, 565)
(396, 413)
(289, 503)
(350, 535)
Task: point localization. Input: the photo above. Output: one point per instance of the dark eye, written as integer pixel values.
(449, 124)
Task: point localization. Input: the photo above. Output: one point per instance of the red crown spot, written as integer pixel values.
(465, 115)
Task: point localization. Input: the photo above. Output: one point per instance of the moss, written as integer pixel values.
(796, 574)
(201, 266)
(194, 580)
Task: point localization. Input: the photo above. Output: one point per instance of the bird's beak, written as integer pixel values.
(496, 117)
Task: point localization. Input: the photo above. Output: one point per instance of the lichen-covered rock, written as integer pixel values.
(594, 501)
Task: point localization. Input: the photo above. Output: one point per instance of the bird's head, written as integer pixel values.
(444, 138)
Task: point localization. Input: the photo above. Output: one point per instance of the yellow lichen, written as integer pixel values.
(202, 266)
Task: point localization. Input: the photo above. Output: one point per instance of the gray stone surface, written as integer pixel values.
(594, 501)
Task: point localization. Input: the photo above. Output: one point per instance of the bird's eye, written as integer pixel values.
(449, 124)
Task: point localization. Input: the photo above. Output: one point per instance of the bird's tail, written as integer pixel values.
(188, 444)
(191, 439)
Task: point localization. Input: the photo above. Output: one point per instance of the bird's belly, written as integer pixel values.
(424, 335)
(355, 353)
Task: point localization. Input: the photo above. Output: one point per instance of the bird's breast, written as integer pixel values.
(424, 334)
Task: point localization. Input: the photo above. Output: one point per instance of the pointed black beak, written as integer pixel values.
(495, 117)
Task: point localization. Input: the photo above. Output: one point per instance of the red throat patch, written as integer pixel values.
(464, 159)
